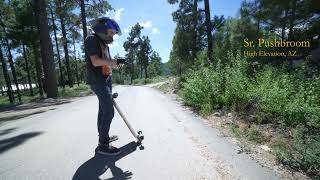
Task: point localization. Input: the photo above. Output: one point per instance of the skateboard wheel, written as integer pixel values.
(141, 147)
(139, 132)
(140, 138)
(114, 95)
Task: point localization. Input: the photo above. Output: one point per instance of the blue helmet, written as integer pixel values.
(101, 25)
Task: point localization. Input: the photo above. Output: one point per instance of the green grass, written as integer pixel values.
(4, 100)
(25, 97)
(235, 130)
(75, 91)
(144, 81)
(251, 134)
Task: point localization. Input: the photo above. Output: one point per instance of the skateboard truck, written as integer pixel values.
(138, 135)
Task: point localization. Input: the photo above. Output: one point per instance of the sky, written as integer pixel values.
(155, 16)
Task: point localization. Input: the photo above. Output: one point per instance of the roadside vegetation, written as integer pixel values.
(153, 80)
(67, 92)
(276, 93)
(288, 101)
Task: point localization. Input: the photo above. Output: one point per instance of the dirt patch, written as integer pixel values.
(261, 152)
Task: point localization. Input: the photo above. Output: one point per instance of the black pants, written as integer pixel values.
(106, 110)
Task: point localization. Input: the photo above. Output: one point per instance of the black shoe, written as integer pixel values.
(107, 150)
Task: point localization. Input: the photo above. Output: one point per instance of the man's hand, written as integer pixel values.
(121, 61)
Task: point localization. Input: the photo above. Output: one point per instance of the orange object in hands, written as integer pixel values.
(106, 70)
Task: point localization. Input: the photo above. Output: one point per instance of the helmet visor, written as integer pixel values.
(111, 24)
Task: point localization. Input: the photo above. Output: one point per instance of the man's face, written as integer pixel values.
(110, 33)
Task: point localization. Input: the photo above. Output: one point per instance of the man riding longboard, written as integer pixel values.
(99, 77)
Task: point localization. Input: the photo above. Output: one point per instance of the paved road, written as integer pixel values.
(59, 144)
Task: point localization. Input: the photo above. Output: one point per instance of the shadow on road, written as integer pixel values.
(7, 131)
(23, 115)
(9, 143)
(33, 105)
(98, 165)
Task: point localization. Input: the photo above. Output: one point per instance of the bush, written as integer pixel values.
(218, 86)
(202, 90)
(137, 81)
(272, 95)
(302, 153)
(74, 91)
(271, 92)
(235, 83)
(279, 101)
(141, 81)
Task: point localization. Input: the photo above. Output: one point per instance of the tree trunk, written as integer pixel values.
(146, 71)
(83, 19)
(131, 69)
(37, 59)
(292, 19)
(283, 32)
(194, 34)
(84, 22)
(57, 47)
(258, 28)
(38, 68)
(141, 69)
(75, 60)
(209, 30)
(50, 81)
(180, 69)
(27, 69)
(66, 51)
(120, 75)
(2, 92)
(13, 70)
(77, 74)
(6, 77)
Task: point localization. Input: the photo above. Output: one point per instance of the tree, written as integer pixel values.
(24, 39)
(131, 47)
(209, 30)
(194, 33)
(57, 49)
(2, 83)
(95, 9)
(63, 11)
(35, 48)
(19, 35)
(155, 65)
(143, 55)
(46, 50)
(189, 35)
(27, 69)
(13, 71)
(75, 35)
(6, 76)
(6, 22)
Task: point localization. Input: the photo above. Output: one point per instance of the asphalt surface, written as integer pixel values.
(59, 144)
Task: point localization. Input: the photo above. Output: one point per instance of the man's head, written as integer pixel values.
(106, 28)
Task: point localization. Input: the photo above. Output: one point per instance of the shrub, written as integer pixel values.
(202, 90)
(273, 95)
(302, 153)
(235, 83)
